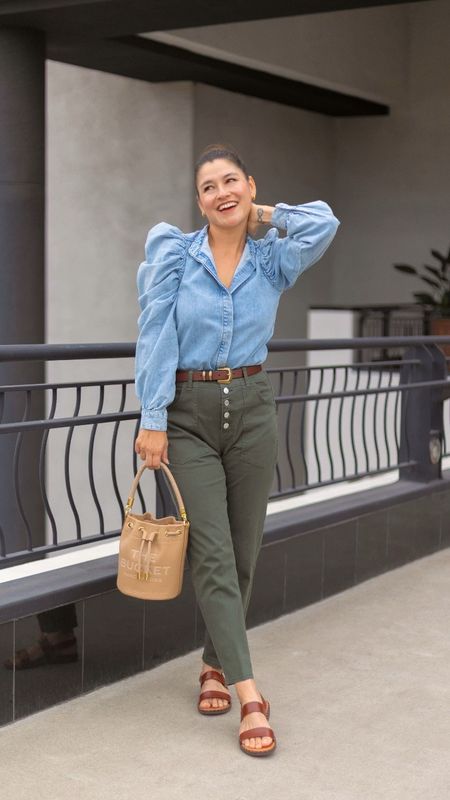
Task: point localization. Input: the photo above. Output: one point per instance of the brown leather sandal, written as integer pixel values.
(253, 733)
(217, 676)
(63, 652)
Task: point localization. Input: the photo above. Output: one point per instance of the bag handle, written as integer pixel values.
(172, 485)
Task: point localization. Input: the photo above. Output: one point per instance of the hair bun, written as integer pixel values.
(220, 150)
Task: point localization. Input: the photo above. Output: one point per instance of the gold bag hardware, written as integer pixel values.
(152, 551)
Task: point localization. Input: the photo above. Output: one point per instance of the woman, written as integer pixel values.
(209, 301)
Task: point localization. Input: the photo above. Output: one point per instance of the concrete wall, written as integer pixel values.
(391, 173)
(119, 155)
(119, 159)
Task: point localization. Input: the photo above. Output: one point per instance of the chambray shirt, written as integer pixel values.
(190, 320)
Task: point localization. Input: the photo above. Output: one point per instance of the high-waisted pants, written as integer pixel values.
(223, 443)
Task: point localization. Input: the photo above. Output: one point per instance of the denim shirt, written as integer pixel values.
(190, 320)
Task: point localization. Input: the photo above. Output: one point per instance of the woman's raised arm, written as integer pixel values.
(310, 229)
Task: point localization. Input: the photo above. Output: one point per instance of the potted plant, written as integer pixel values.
(437, 301)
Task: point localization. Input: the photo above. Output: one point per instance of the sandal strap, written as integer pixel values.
(213, 693)
(254, 733)
(251, 707)
(49, 647)
(211, 674)
(22, 657)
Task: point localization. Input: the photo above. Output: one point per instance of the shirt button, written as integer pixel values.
(227, 414)
(225, 390)
(226, 402)
(226, 424)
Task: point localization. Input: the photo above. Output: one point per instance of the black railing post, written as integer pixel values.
(422, 421)
(359, 354)
(386, 312)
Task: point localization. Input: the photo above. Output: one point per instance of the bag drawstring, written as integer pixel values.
(146, 536)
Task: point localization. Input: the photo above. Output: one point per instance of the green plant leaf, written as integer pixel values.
(433, 271)
(430, 281)
(406, 268)
(425, 299)
(439, 257)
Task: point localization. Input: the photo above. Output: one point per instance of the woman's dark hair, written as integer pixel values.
(214, 151)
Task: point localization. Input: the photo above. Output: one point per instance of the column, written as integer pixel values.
(22, 228)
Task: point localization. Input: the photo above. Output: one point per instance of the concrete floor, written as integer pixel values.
(360, 691)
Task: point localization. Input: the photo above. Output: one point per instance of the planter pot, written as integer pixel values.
(441, 327)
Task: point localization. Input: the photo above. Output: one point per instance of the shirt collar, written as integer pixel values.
(201, 245)
(206, 249)
(201, 250)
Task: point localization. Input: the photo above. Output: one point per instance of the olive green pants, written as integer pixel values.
(223, 442)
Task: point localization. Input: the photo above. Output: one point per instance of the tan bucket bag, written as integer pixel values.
(152, 551)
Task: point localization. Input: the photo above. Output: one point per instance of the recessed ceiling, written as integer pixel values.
(102, 35)
(110, 18)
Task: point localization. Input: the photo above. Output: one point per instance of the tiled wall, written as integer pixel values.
(118, 636)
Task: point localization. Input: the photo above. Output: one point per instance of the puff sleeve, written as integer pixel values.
(310, 229)
(156, 361)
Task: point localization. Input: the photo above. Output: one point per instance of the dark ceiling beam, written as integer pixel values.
(101, 34)
(138, 57)
(111, 18)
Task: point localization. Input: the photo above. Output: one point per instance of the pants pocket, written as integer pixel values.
(259, 440)
(264, 388)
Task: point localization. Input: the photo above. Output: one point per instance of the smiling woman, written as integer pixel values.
(224, 193)
(225, 197)
(208, 301)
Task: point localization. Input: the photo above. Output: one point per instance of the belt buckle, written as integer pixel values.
(225, 380)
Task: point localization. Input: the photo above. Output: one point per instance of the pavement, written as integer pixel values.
(359, 686)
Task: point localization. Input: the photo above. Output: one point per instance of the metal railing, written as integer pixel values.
(391, 320)
(66, 470)
(347, 421)
(385, 320)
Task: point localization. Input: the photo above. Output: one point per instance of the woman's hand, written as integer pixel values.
(152, 447)
(259, 215)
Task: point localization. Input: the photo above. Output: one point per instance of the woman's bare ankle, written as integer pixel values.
(247, 691)
(207, 667)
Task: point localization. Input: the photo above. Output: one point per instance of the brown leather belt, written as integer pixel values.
(222, 375)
